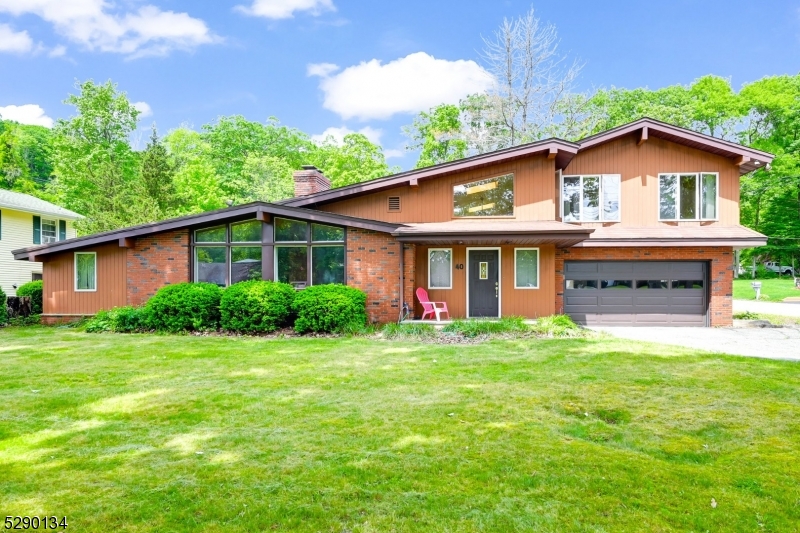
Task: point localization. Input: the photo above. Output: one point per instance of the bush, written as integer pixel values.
(481, 326)
(330, 309)
(34, 290)
(118, 320)
(3, 307)
(557, 326)
(30, 320)
(183, 307)
(256, 306)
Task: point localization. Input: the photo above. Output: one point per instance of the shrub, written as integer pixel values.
(256, 306)
(330, 309)
(408, 329)
(34, 290)
(183, 307)
(118, 320)
(480, 326)
(30, 320)
(3, 307)
(557, 326)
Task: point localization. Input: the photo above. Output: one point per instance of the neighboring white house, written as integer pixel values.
(25, 221)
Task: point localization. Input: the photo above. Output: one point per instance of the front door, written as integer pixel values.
(484, 283)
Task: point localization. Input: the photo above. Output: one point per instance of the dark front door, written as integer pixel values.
(484, 283)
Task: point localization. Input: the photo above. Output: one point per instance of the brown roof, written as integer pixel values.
(494, 232)
(221, 216)
(748, 159)
(563, 152)
(711, 235)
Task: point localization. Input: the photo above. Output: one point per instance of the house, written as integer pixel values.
(636, 225)
(28, 221)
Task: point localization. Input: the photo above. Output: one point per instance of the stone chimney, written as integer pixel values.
(309, 180)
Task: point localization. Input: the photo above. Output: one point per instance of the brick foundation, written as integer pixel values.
(373, 265)
(55, 320)
(720, 274)
(156, 260)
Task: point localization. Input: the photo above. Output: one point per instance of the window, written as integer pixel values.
(49, 231)
(616, 284)
(245, 263)
(85, 271)
(218, 234)
(581, 283)
(292, 259)
(291, 265)
(394, 203)
(493, 197)
(36, 276)
(526, 268)
(249, 231)
(688, 196)
(327, 264)
(320, 233)
(440, 262)
(590, 198)
(290, 230)
(211, 264)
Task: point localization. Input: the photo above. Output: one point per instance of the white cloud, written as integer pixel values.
(26, 114)
(323, 70)
(144, 109)
(394, 153)
(417, 82)
(147, 31)
(14, 41)
(284, 9)
(373, 134)
(58, 51)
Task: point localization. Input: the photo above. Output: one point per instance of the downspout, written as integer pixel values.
(402, 292)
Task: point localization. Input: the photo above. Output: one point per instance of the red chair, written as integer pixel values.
(429, 307)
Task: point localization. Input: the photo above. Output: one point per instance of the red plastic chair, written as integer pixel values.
(429, 307)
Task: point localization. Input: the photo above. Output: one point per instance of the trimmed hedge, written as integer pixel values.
(330, 309)
(256, 306)
(3, 307)
(184, 307)
(119, 320)
(34, 290)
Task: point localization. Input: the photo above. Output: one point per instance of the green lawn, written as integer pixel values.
(219, 434)
(773, 290)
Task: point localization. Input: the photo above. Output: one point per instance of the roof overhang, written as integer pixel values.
(493, 233)
(738, 237)
(559, 150)
(256, 210)
(747, 159)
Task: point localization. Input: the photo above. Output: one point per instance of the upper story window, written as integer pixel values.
(688, 196)
(590, 198)
(49, 231)
(492, 197)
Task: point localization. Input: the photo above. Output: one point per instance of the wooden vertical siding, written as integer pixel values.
(60, 297)
(530, 303)
(432, 201)
(639, 167)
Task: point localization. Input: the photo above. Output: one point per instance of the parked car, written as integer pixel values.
(774, 266)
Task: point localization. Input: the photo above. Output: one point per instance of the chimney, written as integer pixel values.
(309, 180)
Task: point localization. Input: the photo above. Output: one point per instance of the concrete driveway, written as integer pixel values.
(770, 343)
(769, 308)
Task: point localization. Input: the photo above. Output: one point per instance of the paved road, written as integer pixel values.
(770, 308)
(770, 343)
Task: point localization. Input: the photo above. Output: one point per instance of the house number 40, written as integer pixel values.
(460, 266)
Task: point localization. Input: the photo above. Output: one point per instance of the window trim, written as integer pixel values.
(538, 265)
(429, 268)
(41, 229)
(473, 180)
(697, 198)
(75, 267)
(600, 192)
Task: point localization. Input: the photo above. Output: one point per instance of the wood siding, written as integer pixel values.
(640, 166)
(60, 296)
(530, 303)
(432, 201)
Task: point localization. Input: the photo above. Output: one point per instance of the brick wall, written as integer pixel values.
(720, 274)
(373, 265)
(156, 260)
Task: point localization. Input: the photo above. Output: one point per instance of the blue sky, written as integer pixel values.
(363, 66)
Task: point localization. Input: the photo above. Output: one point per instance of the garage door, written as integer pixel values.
(636, 293)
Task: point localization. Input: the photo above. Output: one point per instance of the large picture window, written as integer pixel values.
(526, 268)
(85, 271)
(440, 268)
(492, 197)
(590, 198)
(308, 254)
(688, 196)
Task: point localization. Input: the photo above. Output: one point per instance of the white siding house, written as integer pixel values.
(27, 221)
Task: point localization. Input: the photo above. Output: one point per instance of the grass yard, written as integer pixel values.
(139, 433)
(773, 290)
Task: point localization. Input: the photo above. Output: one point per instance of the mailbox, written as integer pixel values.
(757, 287)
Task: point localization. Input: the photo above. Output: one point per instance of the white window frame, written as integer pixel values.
(75, 267)
(538, 265)
(41, 230)
(697, 198)
(429, 268)
(601, 212)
